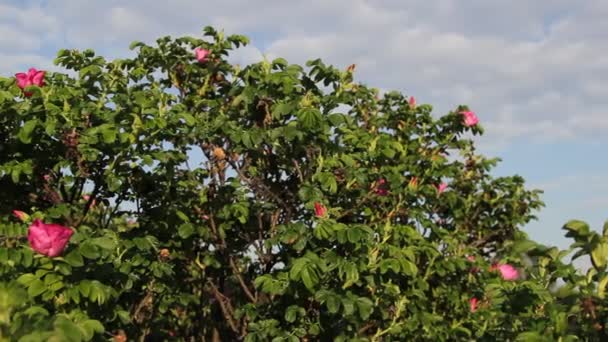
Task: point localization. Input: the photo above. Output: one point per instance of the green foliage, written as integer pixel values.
(199, 222)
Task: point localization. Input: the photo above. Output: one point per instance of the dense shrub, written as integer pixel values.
(176, 196)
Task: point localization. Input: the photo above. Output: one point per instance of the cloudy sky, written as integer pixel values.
(535, 72)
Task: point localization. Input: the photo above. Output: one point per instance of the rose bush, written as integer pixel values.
(192, 199)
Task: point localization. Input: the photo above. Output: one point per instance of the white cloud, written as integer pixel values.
(529, 69)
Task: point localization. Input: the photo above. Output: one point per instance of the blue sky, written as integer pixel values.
(534, 71)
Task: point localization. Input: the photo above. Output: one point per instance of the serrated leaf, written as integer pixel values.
(599, 255)
(89, 251)
(25, 133)
(74, 258)
(26, 279)
(36, 287)
(104, 242)
(185, 230)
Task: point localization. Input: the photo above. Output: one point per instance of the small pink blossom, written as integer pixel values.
(201, 54)
(441, 187)
(508, 272)
(470, 119)
(21, 215)
(412, 102)
(32, 77)
(48, 239)
(473, 303)
(320, 210)
(87, 198)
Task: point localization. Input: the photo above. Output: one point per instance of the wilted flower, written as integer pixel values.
(381, 187)
(164, 253)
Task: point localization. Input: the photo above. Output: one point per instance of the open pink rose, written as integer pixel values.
(33, 77)
(320, 210)
(473, 303)
(507, 271)
(201, 54)
(48, 239)
(470, 119)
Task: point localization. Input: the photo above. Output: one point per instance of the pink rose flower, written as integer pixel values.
(48, 239)
(201, 54)
(33, 77)
(470, 119)
(441, 187)
(473, 303)
(320, 210)
(507, 271)
(21, 215)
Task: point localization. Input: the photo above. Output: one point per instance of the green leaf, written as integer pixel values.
(68, 330)
(89, 251)
(291, 313)
(576, 229)
(36, 287)
(599, 255)
(36, 310)
(90, 327)
(531, 336)
(408, 267)
(25, 133)
(349, 306)
(309, 277)
(74, 258)
(185, 230)
(365, 307)
(104, 242)
(182, 216)
(135, 45)
(26, 279)
(601, 287)
(333, 303)
(309, 117)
